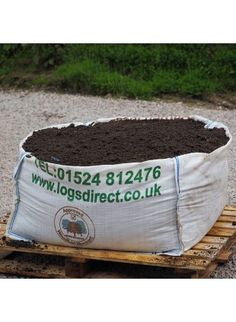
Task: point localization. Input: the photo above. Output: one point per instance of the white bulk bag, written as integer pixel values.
(168, 208)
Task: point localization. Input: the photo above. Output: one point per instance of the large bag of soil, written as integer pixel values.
(163, 205)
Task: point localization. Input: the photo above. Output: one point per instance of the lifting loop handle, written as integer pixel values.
(18, 165)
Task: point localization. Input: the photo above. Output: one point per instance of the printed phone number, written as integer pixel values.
(85, 178)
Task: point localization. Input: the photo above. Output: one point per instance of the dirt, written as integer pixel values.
(20, 243)
(121, 141)
(123, 270)
(44, 260)
(226, 100)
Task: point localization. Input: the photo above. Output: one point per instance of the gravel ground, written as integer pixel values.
(23, 111)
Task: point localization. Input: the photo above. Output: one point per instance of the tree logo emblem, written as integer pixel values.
(74, 226)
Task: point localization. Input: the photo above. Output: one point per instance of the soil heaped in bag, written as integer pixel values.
(122, 184)
(122, 141)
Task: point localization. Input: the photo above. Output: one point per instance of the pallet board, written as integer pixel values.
(199, 261)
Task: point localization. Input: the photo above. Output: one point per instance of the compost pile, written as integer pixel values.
(122, 141)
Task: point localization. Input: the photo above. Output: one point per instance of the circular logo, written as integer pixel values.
(74, 226)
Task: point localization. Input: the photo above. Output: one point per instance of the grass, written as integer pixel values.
(133, 71)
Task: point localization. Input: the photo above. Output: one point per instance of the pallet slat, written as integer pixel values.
(227, 218)
(224, 232)
(226, 224)
(224, 256)
(205, 246)
(214, 239)
(229, 213)
(230, 208)
(206, 253)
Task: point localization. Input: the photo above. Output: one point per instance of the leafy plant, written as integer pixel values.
(127, 70)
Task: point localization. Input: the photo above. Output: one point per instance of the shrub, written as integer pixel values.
(129, 70)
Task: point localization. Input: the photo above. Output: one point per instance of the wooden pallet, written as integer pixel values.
(198, 262)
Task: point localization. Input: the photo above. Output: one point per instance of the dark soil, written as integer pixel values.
(38, 259)
(20, 243)
(122, 141)
(124, 270)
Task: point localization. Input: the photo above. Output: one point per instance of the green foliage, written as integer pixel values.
(46, 56)
(194, 84)
(90, 77)
(128, 70)
(39, 57)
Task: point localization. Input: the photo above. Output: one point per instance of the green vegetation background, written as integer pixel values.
(141, 71)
